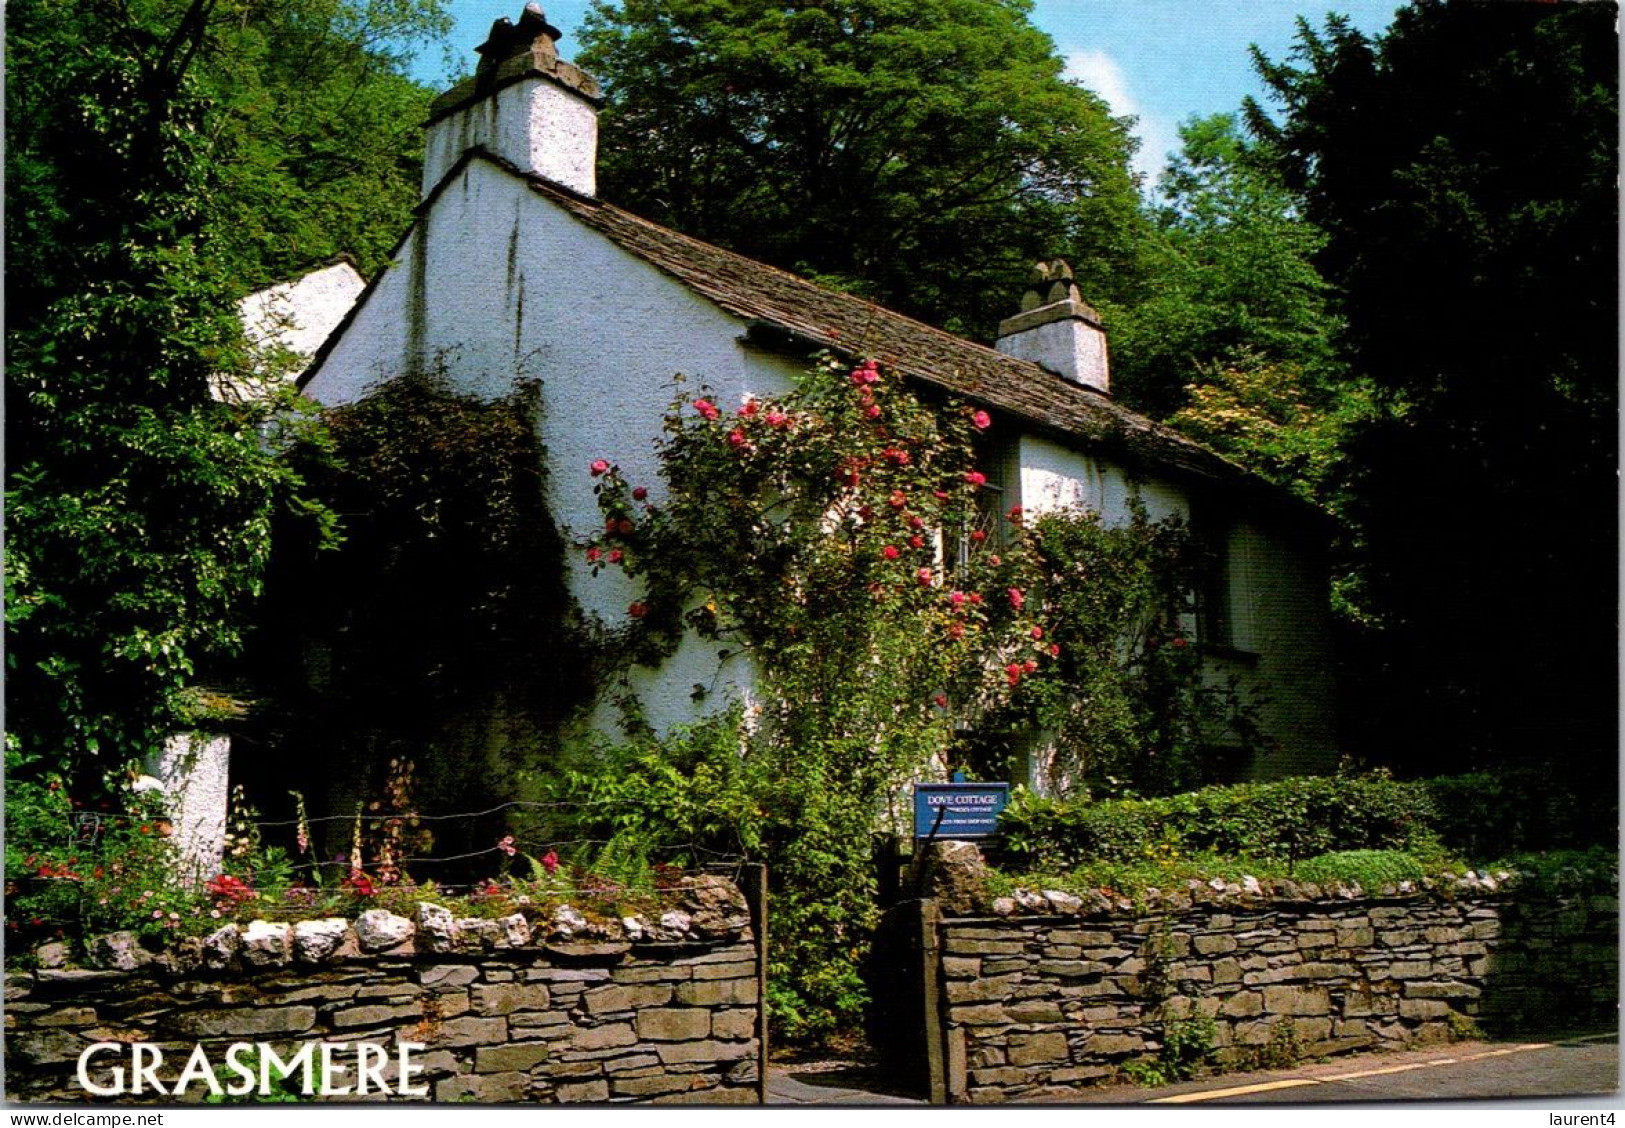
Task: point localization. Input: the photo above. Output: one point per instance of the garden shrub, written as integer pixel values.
(1286, 819)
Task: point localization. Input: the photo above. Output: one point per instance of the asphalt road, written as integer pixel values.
(1465, 1071)
(1569, 1068)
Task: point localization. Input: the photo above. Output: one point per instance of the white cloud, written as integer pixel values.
(1100, 72)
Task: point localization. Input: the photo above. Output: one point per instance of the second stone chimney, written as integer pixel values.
(1057, 330)
(525, 105)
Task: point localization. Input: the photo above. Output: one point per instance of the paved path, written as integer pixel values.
(1586, 1067)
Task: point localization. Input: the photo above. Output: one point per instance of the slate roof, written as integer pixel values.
(805, 312)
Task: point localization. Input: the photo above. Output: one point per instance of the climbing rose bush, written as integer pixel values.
(826, 535)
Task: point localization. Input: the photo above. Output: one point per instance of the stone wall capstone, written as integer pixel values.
(501, 1014)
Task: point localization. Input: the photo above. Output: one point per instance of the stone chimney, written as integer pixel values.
(524, 104)
(1057, 330)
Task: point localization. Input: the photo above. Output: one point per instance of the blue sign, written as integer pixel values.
(958, 810)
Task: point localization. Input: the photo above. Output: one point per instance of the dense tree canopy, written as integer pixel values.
(921, 152)
(143, 143)
(1463, 167)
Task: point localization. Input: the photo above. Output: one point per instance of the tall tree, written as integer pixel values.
(1232, 278)
(138, 506)
(1463, 166)
(921, 152)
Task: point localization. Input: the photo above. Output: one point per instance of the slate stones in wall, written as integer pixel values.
(1035, 1007)
(502, 1014)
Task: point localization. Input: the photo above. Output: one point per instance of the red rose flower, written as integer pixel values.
(978, 536)
(891, 552)
(751, 408)
(1038, 632)
(916, 542)
(624, 526)
(1013, 672)
(874, 411)
(976, 478)
(898, 499)
(638, 610)
(707, 409)
(615, 556)
(593, 554)
(940, 701)
(639, 493)
(1016, 599)
(924, 576)
(737, 438)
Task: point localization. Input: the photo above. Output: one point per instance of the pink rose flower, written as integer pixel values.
(599, 467)
(981, 420)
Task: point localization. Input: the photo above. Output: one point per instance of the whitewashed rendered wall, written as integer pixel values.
(514, 289)
(1278, 612)
(1277, 606)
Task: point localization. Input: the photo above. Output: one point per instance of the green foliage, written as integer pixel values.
(1461, 166)
(310, 130)
(1263, 415)
(1285, 820)
(1370, 869)
(440, 631)
(1231, 280)
(138, 508)
(1114, 599)
(921, 152)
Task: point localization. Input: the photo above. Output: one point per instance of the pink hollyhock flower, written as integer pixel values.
(976, 478)
(1016, 599)
(981, 420)
(707, 409)
(891, 552)
(598, 467)
(639, 493)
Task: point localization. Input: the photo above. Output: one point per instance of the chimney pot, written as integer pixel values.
(524, 105)
(1057, 330)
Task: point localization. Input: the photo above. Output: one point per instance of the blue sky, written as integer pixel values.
(1161, 60)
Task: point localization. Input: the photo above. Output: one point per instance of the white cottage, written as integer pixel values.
(515, 271)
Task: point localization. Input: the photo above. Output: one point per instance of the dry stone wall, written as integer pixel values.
(500, 1013)
(1033, 1007)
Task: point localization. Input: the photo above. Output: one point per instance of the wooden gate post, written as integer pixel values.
(753, 883)
(936, 1063)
